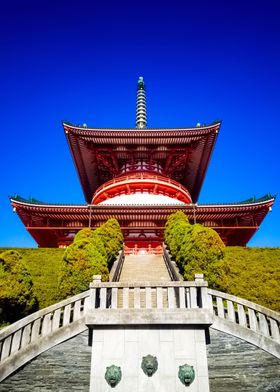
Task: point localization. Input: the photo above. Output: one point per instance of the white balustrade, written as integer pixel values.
(40, 324)
(158, 295)
(104, 296)
(246, 314)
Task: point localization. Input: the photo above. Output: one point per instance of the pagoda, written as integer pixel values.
(140, 176)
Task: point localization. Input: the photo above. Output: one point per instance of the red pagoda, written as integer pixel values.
(140, 176)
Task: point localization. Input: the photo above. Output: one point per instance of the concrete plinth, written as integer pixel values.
(125, 346)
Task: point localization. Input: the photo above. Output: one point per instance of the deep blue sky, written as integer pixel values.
(80, 61)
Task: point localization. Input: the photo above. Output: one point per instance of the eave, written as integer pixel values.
(190, 149)
(238, 222)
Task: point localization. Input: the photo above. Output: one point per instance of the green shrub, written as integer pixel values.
(92, 237)
(17, 298)
(250, 273)
(84, 234)
(111, 236)
(202, 251)
(182, 231)
(91, 253)
(196, 249)
(254, 274)
(175, 228)
(81, 261)
(44, 265)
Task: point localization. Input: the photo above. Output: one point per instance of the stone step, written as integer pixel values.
(144, 268)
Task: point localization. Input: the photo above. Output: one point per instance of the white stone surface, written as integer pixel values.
(166, 335)
(113, 344)
(142, 198)
(125, 347)
(184, 343)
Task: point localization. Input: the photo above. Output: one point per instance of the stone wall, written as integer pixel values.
(237, 366)
(63, 368)
(126, 346)
(234, 366)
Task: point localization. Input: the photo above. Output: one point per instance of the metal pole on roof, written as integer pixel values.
(141, 110)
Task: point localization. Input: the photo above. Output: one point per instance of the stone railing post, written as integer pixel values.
(93, 296)
(202, 298)
(199, 278)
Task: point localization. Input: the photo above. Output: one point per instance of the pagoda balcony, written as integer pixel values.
(142, 182)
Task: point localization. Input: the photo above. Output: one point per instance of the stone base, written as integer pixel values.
(125, 347)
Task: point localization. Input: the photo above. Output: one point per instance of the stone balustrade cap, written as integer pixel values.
(199, 277)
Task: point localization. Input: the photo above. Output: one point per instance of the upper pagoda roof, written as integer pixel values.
(101, 153)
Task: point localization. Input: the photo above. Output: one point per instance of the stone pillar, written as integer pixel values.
(125, 347)
(145, 348)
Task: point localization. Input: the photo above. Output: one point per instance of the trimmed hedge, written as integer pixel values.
(81, 261)
(91, 253)
(44, 266)
(250, 273)
(254, 274)
(50, 274)
(17, 298)
(196, 249)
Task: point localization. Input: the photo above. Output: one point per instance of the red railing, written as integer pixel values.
(130, 178)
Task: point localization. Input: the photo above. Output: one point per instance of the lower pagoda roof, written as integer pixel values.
(54, 224)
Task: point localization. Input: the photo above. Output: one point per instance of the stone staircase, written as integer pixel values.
(144, 268)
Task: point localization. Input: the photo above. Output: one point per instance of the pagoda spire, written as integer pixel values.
(141, 112)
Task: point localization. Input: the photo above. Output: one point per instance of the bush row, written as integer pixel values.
(36, 278)
(250, 273)
(17, 298)
(254, 274)
(91, 253)
(196, 249)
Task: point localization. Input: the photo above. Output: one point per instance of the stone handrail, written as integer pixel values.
(24, 335)
(41, 330)
(259, 325)
(171, 265)
(147, 295)
(116, 269)
(28, 337)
